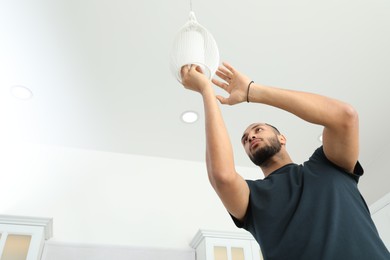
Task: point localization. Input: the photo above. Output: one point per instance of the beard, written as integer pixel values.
(263, 154)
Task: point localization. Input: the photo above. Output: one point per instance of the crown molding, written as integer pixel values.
(46, 223)
(202, 234)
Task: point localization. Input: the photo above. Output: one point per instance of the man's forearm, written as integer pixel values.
(340, 120)
(310, 107)
(219, 154)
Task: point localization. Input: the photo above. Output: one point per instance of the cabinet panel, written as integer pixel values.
(220, 253)
(216, 245)
(238, 253)
(16, 247)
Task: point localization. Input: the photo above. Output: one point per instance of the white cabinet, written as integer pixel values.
(23, 237)
(218, 245)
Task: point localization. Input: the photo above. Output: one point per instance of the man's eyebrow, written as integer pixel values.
(246, 134)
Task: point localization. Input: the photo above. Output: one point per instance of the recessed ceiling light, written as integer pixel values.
(189, 117)
(21, 92)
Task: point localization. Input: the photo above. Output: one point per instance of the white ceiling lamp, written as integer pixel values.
(21, 92)
(189, 117)
(194, 44)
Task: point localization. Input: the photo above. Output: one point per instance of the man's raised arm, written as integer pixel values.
(229, 185)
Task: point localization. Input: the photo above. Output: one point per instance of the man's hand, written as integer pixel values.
(235, 83)
(193, 78)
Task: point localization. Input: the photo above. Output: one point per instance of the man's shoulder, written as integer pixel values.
(318, 162)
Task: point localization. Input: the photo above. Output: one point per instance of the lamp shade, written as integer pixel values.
(193, 44)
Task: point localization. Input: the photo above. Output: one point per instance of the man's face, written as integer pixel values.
(260, 142)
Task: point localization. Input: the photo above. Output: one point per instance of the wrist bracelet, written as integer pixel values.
(247, 92)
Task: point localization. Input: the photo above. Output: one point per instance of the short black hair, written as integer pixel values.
(275, 129)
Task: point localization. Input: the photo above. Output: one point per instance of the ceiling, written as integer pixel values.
(99, 73)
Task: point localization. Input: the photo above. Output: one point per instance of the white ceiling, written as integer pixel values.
(100, 75)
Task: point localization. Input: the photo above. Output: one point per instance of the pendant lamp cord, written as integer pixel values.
(191, 5)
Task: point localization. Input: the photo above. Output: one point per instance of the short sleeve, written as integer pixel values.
(237, 222)
(358, 171)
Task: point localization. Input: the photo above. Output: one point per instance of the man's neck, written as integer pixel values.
(276, 162)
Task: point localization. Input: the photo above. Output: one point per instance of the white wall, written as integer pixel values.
(106, 198)
(114, 199)
(380, 212)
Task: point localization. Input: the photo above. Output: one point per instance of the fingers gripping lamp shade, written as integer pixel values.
(194, 45)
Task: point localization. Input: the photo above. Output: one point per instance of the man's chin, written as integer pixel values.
(258, 158)
(254, 148)
(261, 156)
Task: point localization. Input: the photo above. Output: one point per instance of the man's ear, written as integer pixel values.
(282, 139)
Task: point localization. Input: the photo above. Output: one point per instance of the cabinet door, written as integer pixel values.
(21, 242)
(228, 249)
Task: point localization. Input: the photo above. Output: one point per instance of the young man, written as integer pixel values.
(311, 211)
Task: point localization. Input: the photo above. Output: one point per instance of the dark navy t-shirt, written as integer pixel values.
(312, 211)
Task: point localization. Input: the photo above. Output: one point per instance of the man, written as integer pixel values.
(312, 211)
